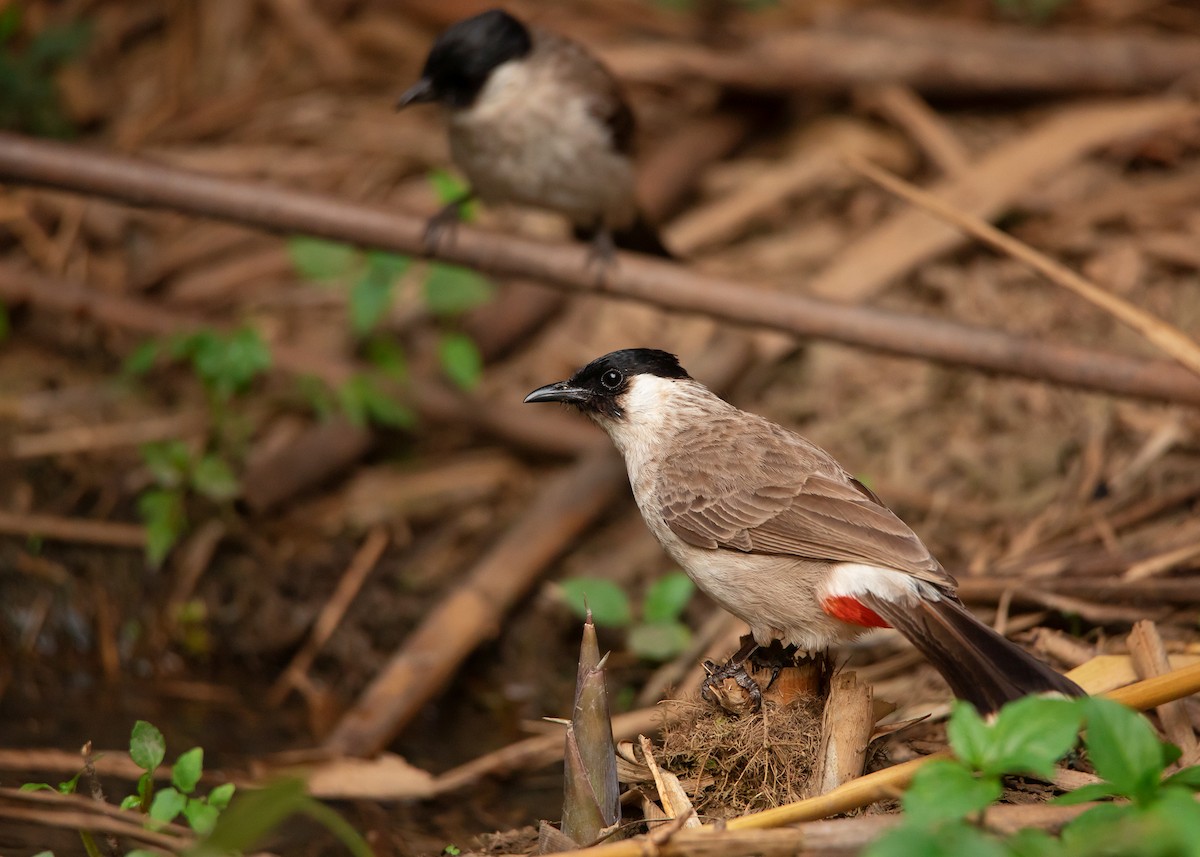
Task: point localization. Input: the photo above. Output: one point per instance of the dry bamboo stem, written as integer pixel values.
(143, 182)
(892, 781)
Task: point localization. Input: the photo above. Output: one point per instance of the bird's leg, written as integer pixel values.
(734, 668)
(602, 249)
(444, 221)
(774, 657)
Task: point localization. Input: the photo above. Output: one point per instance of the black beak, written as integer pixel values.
(560, 391)
(420, 92)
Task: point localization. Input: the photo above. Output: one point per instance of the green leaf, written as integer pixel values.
(227, 364)
(1124, 748)
(147, 747)
(201, 816)
(1032, 842)
(1031, 734)
(388, 357)
(37, 787)
(317, 395)
(968, 734)
(221, 795)
(142, 359)
(370, 298)
(318, 259)
(162, 511)
(1187, 777)
(168, 462)
(186, 771)
(609, 605)
(145, 788)
(131, 802)
(393, 265)
(450, 188)
(451, 290)
(255, 813)
(54, 46)
(214, 479)
(955, 839)
(339, 827)
(364, 402)
(461, 360)
(1083, 794)
(51, 854)
(67, 787)
(167, 804)
(659, 641)
(142, 852)
(1100, 824)
(667, 596)
(945, 790)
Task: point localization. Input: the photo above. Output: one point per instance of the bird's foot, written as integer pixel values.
(442, 224)
(775, 657)
(731, 687)
(602, 256)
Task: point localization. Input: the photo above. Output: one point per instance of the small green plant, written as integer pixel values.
(1160, 818)
(659, 635)
(447, 291)
(177, 473)
(29, 96)
(223, 827)
(226, 364)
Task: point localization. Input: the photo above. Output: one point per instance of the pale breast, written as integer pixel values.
(533, 137)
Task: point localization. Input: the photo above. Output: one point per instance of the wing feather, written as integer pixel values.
(773, 492)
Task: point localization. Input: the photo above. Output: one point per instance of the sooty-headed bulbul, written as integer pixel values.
(534, 119)
(779, 534)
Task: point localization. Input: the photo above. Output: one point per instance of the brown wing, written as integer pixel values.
(605, 100)
(772, 492)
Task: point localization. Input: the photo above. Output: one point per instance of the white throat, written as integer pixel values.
(653, 410)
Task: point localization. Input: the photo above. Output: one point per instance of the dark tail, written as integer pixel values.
(639, 237)
(980, 665)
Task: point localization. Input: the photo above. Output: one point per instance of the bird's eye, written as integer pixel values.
(611, 379)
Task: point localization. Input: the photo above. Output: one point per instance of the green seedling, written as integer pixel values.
(1159, 817)
(659, 635)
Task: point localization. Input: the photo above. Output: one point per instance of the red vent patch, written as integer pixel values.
(853, 611)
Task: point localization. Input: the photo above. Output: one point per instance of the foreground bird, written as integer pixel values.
(773, 529)
(534, 119)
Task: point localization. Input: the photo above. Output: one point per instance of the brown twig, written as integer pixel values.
(80, 813)
(469, 615)
(73, 530)
(1150, 659)
(929, 54)
(548, 433)
(1167, 337)
(331, 614)
(89, 438)
(898, 244)
(889, 782)
(143, 182)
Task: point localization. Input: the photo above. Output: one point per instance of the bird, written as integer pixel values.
(777, 532)
(535, 119)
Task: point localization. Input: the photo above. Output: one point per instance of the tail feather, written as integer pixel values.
(980, 665)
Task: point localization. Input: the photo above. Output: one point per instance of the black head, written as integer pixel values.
(598, 386)
(464, 56)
